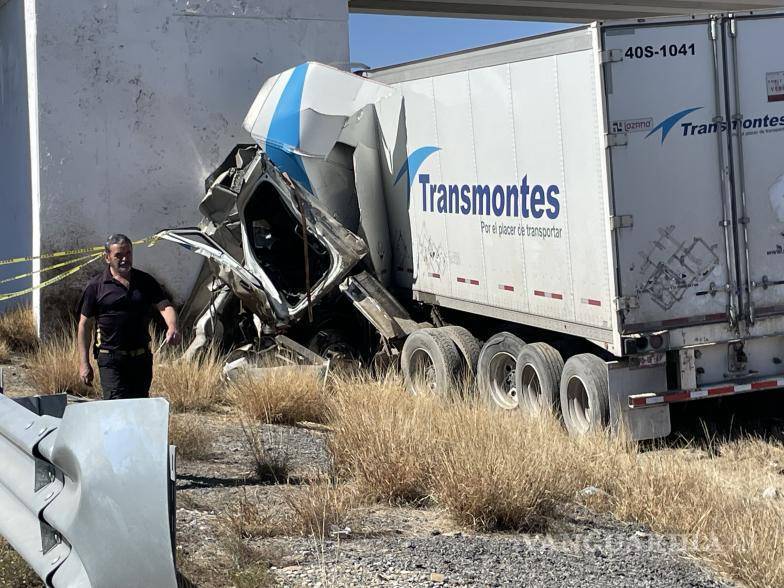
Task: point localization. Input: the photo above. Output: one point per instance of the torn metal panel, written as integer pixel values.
(263, 247)
(283, 355)
(378, 306)
(304, 115)
(274, 276)
(209, 326)
(247, 286)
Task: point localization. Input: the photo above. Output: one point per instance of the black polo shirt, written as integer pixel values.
(122, 314)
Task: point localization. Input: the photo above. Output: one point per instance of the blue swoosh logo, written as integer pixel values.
(668, 123)
(414, 162)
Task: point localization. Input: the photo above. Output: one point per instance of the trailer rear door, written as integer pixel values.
(755, 68)
(673, 210)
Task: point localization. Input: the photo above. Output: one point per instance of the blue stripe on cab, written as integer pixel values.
(283, 134)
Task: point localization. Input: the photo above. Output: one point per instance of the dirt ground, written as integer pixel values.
(385, 545)
(404, 546)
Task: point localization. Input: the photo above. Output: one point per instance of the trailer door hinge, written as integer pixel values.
(627, 303)
(612, 55)
(617, 139)
(621, 221)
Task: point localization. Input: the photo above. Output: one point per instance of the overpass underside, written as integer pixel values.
(554, 10)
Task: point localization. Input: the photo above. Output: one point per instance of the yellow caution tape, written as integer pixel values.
(51, 281)
(93, 254)
(48, 268)
(56, 254)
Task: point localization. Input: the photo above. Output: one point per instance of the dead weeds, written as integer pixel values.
(53, 367)
(322, 509)
(269, 467)
(192, 438)
(189, 384)
(18, 329)
(280, 395)
(493, 471)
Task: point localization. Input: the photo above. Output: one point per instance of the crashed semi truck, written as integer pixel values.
(590, 221)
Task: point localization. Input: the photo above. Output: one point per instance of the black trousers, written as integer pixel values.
(125, 377)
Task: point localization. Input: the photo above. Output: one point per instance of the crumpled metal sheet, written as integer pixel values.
(286, 354)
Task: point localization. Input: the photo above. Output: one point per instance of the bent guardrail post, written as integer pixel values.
(85, 499)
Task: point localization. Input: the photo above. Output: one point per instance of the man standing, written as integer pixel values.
(120, 300)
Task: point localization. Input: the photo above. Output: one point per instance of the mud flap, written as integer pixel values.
(651, 422)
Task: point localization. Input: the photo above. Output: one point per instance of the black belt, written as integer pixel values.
(126, 353)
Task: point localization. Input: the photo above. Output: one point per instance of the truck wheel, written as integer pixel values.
(538, 378)
(468, 346)
(334, 345)
(585, 398)
(430, 362)
(496, 370)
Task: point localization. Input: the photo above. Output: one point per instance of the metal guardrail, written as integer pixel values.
(86, 499)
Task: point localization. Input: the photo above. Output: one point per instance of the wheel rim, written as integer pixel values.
(423, 372)
(531, 388)
(578, 403)
(340, 355)
(501, 373)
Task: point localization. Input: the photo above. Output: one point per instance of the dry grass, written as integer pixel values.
(54, 366)
(318, 510)
(493, 471)
(322, 508)
(280, 395)
(729, 525)
(189, 434)
(5, 352)
(383, 438)
(14, 572)
(17, 329)
(269, 467)
(249, 517)
(188, 384)
(249, 566)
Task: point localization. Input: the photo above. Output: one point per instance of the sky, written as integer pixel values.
(379, 40)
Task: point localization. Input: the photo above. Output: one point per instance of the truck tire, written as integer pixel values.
(585, 401)
(334, 345)
(468, 346)
(430, 362)
(538, 378)
(496, 370)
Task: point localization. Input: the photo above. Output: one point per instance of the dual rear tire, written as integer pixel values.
(534, 379)
(497, 369)
(511, 375)
(538, 374)
(439, 361)
(584, 391)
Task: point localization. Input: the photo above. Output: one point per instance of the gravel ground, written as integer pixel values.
(395, 546)
(590, 555)
(404, 546)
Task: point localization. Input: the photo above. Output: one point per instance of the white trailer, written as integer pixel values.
(626, 185)
(613, 195)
